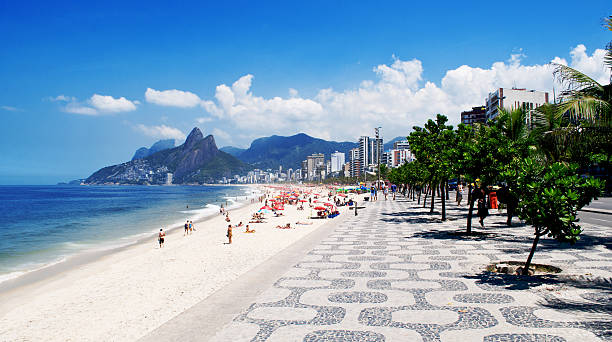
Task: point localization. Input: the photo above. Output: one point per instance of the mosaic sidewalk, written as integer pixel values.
(397, 273)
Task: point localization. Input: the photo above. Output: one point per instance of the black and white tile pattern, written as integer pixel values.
(397, 273)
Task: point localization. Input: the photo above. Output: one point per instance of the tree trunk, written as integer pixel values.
(433, 196)
(443, 197)
(446, 189)
(533, 248)
(419, 197)
(470, 210)
(426, 192)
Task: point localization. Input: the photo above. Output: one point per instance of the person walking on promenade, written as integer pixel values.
(229, 233)
(483, 210)
(161, 237)
(459, 197)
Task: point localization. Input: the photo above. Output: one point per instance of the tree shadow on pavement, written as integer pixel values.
(412, 220)
(520, 282)
(512, 282)
(437, 234)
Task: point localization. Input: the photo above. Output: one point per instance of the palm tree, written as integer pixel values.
(584, 98)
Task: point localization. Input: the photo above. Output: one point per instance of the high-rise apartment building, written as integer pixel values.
(513, 98)
(401, 145)
(355, 161)
(337, 161)
(315, 164)
(476, 115)
(370, 151)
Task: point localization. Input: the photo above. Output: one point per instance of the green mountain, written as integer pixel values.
(234, 151)
(389, 144)
(288, 152)
(196, 161)
(161, 145)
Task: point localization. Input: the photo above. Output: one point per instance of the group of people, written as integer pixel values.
(161, 235)
(189, 228)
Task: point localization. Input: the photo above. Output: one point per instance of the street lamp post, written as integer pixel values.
(377, 132)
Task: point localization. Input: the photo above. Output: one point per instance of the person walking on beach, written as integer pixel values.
(229, 233)
(191, 227)
(160, 237)
(186, 228)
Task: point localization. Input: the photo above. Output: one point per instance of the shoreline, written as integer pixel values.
(105, 247)
(126, 275)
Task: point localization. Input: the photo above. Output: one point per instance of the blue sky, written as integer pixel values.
(333, 69)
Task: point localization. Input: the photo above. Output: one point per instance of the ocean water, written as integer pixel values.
(42, 225)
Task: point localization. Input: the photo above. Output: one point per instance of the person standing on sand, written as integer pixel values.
(229, 233)
(186, 228)
(160, 237)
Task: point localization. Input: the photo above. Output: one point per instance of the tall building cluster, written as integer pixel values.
(508, 98)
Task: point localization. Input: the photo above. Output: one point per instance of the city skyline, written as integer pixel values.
(85, 86)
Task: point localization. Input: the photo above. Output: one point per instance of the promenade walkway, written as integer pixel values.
(397, 273)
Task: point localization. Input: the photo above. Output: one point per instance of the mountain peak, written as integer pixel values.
(193, 137)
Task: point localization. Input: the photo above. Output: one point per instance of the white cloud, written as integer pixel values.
(110, 104)
(203, 120)
(397, 100)
(11, 109)
(77, 108)
(172, 98)
(161, 132)
(95, 105)
(61, 98)
(222, 135)
(591, 65)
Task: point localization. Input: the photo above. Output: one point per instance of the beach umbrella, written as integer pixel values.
(265, 207)
(319, 208)
(302, 200)
(328, 204)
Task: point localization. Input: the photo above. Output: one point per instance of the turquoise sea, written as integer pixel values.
(42, 225)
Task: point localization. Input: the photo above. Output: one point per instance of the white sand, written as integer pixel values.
(125, 295)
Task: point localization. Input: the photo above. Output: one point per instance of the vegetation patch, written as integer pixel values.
(516, 267)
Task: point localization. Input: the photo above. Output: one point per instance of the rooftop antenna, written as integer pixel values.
(513, 84)
(554, 96)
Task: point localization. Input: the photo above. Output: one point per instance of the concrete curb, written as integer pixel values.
(597, 211)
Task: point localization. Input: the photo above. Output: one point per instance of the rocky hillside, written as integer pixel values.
(198, 160)
(161, 145)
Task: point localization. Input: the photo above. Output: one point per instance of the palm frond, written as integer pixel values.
(589, 108)
(608, 57)
(574, 79)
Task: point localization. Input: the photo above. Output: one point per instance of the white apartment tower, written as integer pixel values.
(337, 161)
(513, 98)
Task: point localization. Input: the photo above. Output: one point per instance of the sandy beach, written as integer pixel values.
(126, 294)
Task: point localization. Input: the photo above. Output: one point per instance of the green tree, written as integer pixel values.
(551, 197)
(431, 146)
(481, 153)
